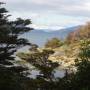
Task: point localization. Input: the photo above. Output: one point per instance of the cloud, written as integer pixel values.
(46, 27)
(50, 12)
(66, 7)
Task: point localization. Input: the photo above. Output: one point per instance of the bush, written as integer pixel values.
(53, 43)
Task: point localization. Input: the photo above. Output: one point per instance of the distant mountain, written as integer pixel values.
(39, 37)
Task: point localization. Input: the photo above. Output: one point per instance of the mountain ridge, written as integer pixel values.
(40, 36)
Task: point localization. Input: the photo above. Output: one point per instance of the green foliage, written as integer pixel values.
(41, 62)
(40, 57)
(82, 76)
(9, 35)
(11, 77)
(53, 43)
(84, 54)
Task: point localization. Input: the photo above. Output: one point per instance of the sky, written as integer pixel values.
(50, 14)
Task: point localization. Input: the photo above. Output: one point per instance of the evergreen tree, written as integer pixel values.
(9, 35)
(82, 77)
(11, 78)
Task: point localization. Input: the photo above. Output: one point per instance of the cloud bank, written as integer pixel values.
(51, 12)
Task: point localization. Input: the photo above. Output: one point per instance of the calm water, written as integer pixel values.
(58, 72)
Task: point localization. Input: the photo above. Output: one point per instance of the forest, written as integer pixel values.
(75, 55)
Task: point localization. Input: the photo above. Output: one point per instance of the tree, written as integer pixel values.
(40, 60)
(11, 77)
(82, 77)
(33, 48)
(53, 43)
(80, 80)
(9, 35)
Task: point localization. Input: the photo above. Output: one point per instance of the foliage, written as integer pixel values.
(10, 75)
(40, 61)
(83, 32)
(53, 43)
(83, 66)
(9, 35)
(13, 78)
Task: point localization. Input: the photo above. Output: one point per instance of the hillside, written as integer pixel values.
(67, 53)
(40, 37)
(80, 34)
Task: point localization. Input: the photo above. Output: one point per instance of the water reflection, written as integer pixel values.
(57, 73)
